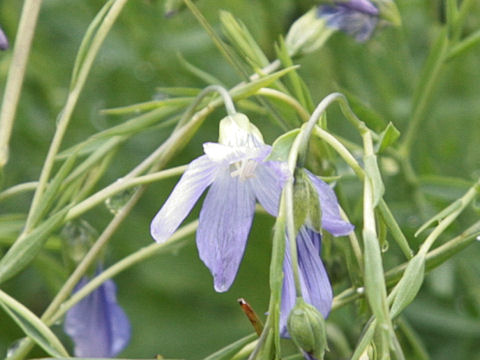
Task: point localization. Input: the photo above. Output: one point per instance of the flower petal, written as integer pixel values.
(359, 24)
(225, 221)
(200, 173)
(97, 324)
(221, 153)
(316, 288)
(268, 182)
(313, 276)
(331, 219)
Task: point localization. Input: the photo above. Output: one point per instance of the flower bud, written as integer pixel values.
(307, 34)
(306, 327)
(306, 204)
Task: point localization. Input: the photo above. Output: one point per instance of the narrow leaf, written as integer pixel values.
(373, 173)
(24, 250)
(374, 280)
(252, 87)
(32, 326)
(281, 146)
(229, 351)
(409, 285)
(441, 215)
(387, 137)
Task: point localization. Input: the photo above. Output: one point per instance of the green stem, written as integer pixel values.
(72, 99)
(118, 186)
(127, 262)
(18, 189)
(444, 223)
(424, 91)
(286, 99)
(16, 73)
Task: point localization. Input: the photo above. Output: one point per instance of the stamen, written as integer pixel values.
(244, 169)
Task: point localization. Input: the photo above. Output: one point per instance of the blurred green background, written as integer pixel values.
(170, 299)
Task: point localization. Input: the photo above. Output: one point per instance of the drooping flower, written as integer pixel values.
(316, 288)
(357, 18)
(238, 175)
(97, 325)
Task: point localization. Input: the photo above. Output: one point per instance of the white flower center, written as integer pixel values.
(244, 169)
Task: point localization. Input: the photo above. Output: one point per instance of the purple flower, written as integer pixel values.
(357, 18)
(97, 324)
(238, 175)
(3, 40)
(316, 288)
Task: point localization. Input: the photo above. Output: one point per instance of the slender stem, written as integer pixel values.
(118, 186)
(127, 262)
(286, 99)
(16, 73)
(424, 95)
(18, 189)
(465, 200)
(72, 99)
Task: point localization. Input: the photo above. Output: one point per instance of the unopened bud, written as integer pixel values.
(307, 34)
(306, 327)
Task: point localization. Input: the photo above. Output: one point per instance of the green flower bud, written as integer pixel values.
(306, 327)
(306, 204)
(307, 34)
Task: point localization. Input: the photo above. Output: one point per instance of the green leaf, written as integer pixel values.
(409, 285)
(373, 173)
(139, 123)
(239, 36)
(147, 106)
(32, 326)
(441, 215)
(229, 351)
(296, 83)
(371, 118)
(199, 73)
(387, 138)
(52, 190)
(282, 145)
(87, 41)
(24, 250)
(374, 280)
(177, 91)
(431, 68)
(465, 45)
(252, 87)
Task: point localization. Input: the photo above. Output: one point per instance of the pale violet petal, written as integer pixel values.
(331, 219)
(268, 182)
(316, 288)
(97, 325)
(225, 221)
(358, 24)
(225, 154)
(199, 175)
